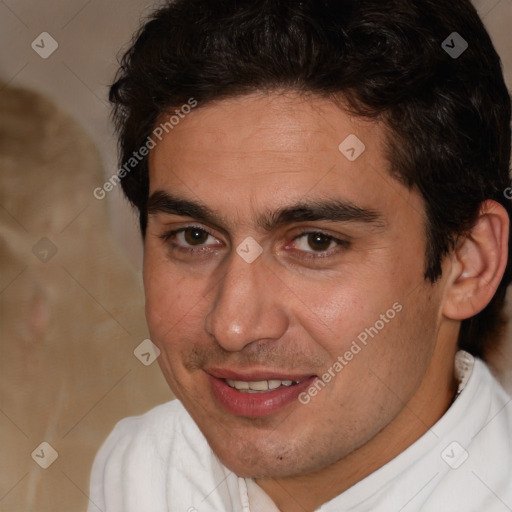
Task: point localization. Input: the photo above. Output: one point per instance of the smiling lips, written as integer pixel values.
(259, 386)
(254, 396)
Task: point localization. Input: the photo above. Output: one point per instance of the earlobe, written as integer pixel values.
(478, 263)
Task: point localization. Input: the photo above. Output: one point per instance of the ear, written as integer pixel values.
(478, 263)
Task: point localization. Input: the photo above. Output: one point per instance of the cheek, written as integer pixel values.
(335, 312)
(367, 326)
(172, 305)
(169, 295)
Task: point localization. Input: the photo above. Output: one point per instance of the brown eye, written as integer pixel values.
(319, 241)
(315, 244)
(194, 236)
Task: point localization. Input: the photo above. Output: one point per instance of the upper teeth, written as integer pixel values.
(258, 385)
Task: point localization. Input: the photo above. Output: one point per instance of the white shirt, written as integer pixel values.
(160, 462)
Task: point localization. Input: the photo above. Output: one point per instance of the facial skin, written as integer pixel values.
(303, 301)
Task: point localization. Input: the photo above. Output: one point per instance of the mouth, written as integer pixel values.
(256, 396)
(261, 386)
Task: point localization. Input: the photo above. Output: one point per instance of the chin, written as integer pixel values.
(247, 459)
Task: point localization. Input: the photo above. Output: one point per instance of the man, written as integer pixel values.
(321, 195)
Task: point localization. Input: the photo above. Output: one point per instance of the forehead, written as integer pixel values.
(266, 150)
(284, 124)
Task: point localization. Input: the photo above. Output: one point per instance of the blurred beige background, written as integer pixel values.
(73, 402)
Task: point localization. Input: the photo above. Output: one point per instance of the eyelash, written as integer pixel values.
(342, 244)
(166, 237)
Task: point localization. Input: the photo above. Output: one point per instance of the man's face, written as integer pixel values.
(343, 248)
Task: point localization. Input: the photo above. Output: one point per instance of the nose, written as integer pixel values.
(246, 305)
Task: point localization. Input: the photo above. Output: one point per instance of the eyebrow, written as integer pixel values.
(335, 210)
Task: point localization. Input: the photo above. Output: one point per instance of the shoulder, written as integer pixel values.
(463, 463)
(160, 433)
(164, 416)
(498, 406)
(132, 467)
(477, 453)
